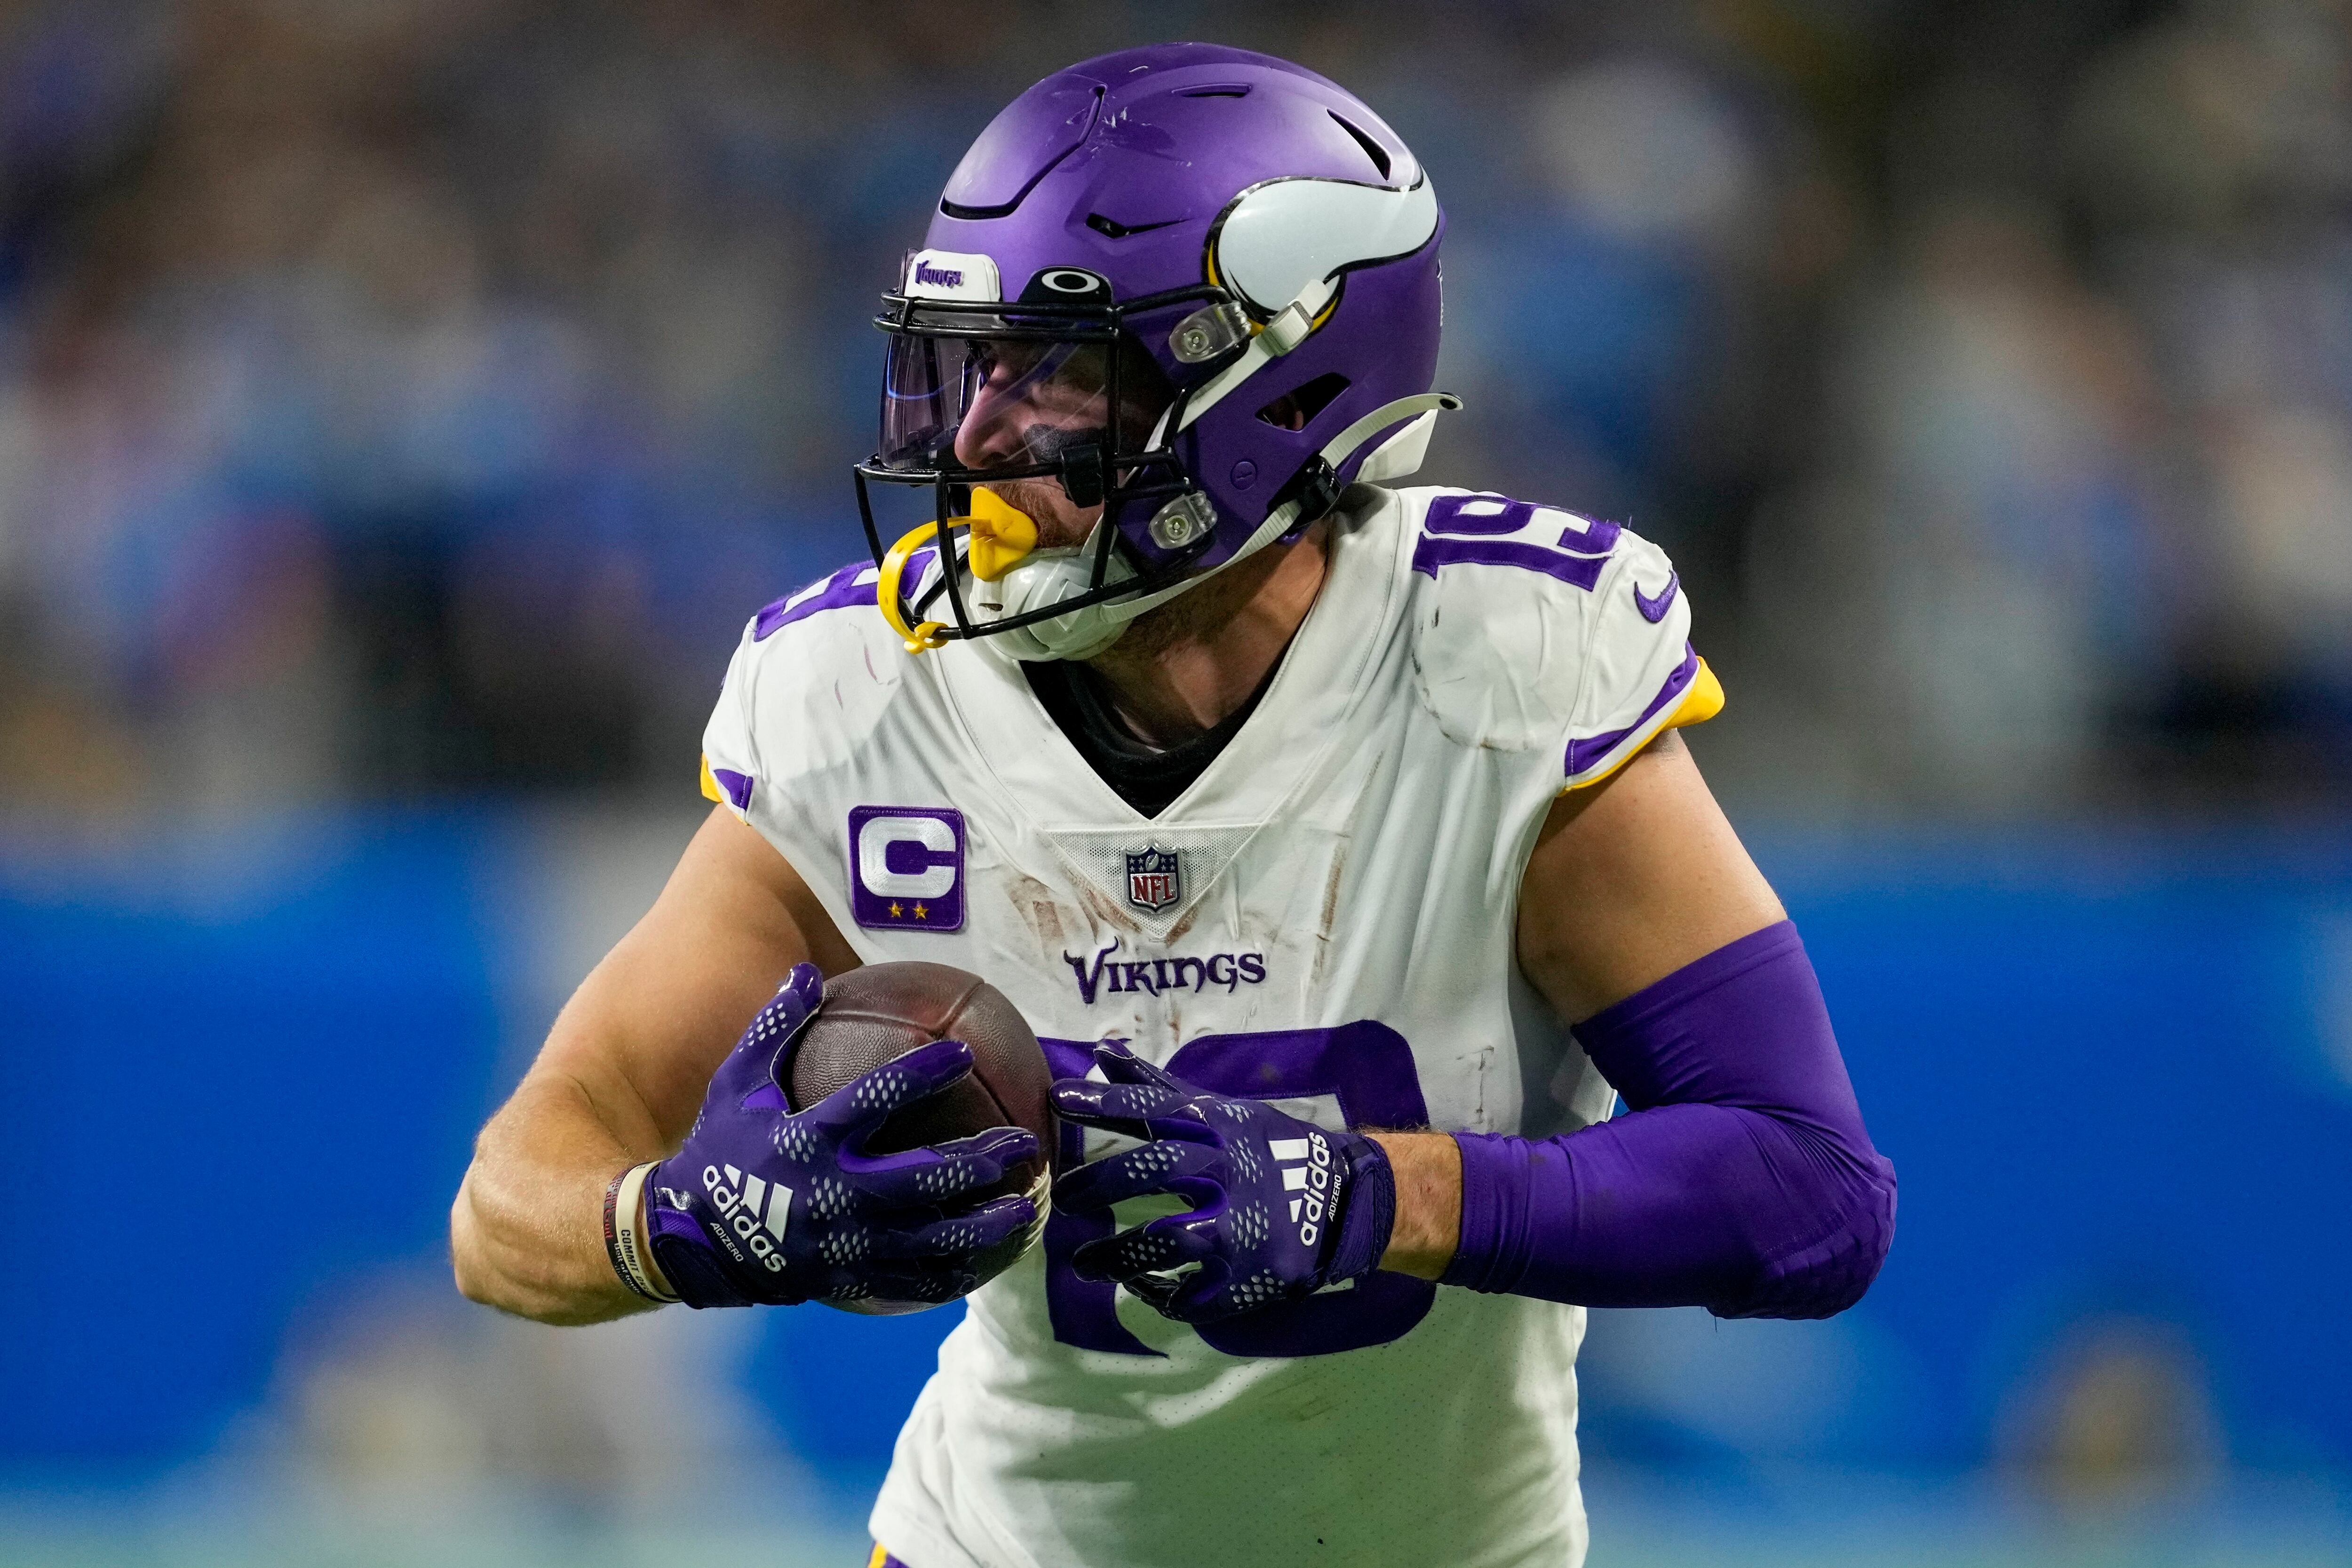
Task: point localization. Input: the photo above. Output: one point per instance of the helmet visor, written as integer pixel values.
(979, 401)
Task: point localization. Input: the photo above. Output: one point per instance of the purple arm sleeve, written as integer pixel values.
(1742, 1180)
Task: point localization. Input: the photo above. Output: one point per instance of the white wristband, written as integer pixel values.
(626, 1245)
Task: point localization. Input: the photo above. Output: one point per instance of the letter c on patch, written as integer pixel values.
(906, 867)
(932, 874)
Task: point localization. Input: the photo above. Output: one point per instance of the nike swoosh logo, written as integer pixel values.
(1655, 610)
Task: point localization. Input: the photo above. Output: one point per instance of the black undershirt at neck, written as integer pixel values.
(1147, 777)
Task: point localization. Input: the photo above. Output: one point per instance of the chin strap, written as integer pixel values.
(1335, 452)
(1001, 537)
(1342, 446)
(1287, 329)
(1284, 518)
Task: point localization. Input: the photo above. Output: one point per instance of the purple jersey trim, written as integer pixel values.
(843, 590)
(1583, 755)
(737, 785)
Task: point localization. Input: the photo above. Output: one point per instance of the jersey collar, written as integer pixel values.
(1286, 743)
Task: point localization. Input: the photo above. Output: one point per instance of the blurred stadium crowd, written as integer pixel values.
(411, 397)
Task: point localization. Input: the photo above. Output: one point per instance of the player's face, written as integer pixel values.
(1031, 402)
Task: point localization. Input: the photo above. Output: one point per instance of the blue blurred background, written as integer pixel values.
(402, 403)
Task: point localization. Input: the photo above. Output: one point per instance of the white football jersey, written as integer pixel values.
(1324, 919)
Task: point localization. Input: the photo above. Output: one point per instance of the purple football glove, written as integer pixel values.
(765, 1207)
(1280, 1207)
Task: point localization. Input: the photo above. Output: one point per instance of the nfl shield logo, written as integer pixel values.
(1155, 878)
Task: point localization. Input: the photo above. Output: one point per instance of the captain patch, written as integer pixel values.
(906, 867)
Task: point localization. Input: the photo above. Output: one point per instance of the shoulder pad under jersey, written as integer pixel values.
(1536, 628)
(818, 667)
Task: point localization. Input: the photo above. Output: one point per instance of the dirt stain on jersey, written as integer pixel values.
(1034, 902)
(1104, 913)
(1330, 912)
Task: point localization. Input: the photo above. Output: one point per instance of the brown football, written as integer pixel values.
(879, 1012)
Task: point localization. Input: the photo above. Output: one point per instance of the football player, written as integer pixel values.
(1335, 837)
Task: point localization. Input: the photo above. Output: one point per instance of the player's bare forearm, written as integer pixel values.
(526, 1234)
(624, 1070)
(1428, 1171)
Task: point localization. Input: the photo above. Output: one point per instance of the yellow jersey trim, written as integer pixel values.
(1702, 702)
(710, 790)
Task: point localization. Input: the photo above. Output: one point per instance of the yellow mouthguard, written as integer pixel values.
(928, 633)
(1001, 534)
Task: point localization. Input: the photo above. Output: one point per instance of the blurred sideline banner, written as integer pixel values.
(243, 1064)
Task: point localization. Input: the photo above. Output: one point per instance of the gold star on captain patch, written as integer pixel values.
(922, 913)
(895, 911)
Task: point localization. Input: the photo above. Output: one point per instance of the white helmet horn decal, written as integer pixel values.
(1280, 238)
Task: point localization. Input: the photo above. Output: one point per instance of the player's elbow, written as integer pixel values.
(1830, 1272)
(473, 1282)
(496, 1258)
(477, 1267)
(468, 1265)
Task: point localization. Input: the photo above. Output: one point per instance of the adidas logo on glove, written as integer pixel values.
(1312, 1178)
(741, 1200)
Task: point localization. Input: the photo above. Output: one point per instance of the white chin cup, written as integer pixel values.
(1036, 583)
(1050, 576)
(1046, 578)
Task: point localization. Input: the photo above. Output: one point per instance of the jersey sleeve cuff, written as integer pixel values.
(1691, 695)
(725, 786)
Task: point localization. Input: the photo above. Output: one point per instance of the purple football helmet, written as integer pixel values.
(1196, 285)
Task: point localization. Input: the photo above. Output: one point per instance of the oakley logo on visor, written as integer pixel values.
(906, 867)
(950, 275)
